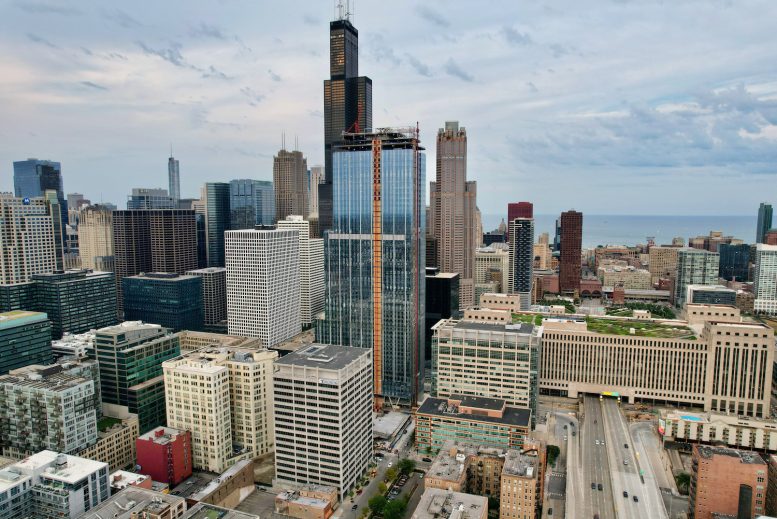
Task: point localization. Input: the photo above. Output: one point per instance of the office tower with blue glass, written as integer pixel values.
(172, 300)
(251, 203)
(173, 178)
(374, 258)
(25, 339)
(764, 221)
(217, 216)
(33, 177)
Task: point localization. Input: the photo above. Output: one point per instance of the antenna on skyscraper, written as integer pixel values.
(344, 11)
(171, 150)
(283, 140)
(296, 143)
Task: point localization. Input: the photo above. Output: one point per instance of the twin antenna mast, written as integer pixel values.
(343, 10)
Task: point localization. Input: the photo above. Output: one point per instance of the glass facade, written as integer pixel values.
(734, 262)
(173, 301)
(251, 203)
(216, 220)
(25, 338)
(374, 259)
(763, 225)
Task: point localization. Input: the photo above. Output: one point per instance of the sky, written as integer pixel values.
(605, 106)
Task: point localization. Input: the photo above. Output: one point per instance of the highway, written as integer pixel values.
(626, 477)
(594, 467)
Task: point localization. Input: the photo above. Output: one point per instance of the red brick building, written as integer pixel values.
(727, 481)
(570, 260)
(165, 454)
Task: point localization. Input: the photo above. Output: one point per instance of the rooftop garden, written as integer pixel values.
(627, 310)
(641, 328)
(534, 319)
(106, 422)
(570, 307)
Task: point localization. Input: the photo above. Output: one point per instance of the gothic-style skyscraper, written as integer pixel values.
(347, 102)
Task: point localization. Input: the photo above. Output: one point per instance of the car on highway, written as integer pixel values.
(565, 438)
(427, 460)
(574, 433)
(593, 486)
(636, 499)
(625, 462)
(599, 486)
(625, 494)
(354, 507)
(564, 428)
(597, 442)
(550, 511)
(625, 445)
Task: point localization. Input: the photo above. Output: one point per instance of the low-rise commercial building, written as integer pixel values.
(715, 428)
(485, 421)
(493, 301)
(122, 479)
(436, 503)
(726, 481)
(308, 502)
(710, 295)
(194, 340)
(115, 439)
(165, 454)
(625, 276)
(49, 484)
(137, 502)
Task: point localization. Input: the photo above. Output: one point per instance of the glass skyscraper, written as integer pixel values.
(763, 225)
(347, 103)
(173, 179)
(374, 258)
(734, 262)
(251, 202)
(216, 220)
(33, 177)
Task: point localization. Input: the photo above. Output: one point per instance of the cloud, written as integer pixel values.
(122, 19)
(274, 76)
(171, 54)
(513, 37)
(254, 98)
(94, 85)
(453, 69)
(381, 51)
(43, 8)
(532, 87)
(213, 72)
(43, 41)
(309, 19)
(558, 50)
(420, 67)
(432, 16)
(205, 30)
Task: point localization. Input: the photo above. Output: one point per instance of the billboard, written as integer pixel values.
(661, 426)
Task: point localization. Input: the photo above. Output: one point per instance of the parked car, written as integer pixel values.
(427, 460)
(636, 499)
(354, 507)
(599, 486)
(550, 511)
(593, 486)
(625, 445)
(625, 494)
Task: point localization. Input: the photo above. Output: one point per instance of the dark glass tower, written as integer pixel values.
(347, 103)
(216, 220)
(521, 259)
(764, 221)
(33, 177)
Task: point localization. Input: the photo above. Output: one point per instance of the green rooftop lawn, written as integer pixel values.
(641, 328)
(535, 319)
(106, 422)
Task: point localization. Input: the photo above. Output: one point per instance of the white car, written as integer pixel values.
(597, 442)
(391, 463)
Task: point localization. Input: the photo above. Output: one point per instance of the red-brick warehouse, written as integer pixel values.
(165, 454)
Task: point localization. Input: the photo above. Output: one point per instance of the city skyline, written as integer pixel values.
(570, 108)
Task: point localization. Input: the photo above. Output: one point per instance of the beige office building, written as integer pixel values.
(662, 262)
(719, 366)
(95, 237)
(453, 204)
(492, 263)
(627, 277)
(223, 396)
(290, 183)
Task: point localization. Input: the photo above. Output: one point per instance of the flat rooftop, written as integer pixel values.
(389, 424)
(133, 502)
(436, 503)
(747, 457)
(323, 356)
(642, 328)
(20, 317)
(520, 328)
(517, 464)
(160, 435)
(205, 511)
(74, 470)
(515, 416)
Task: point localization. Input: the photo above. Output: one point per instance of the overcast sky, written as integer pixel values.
(615, 107)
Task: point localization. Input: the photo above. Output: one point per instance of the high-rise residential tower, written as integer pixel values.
(162, 240)
(26, 239)
(521, 272)
(374, 257)
(311, 269)
(764, 221)
(347, 103)
(518, 210)
(173, 179)
(765, 279)
(217, 214)
(95, 237)
(263, 286)
(214, 294)
(251, 203)
(454, 207)
(289, 172)
(694, 267)
(571, 245)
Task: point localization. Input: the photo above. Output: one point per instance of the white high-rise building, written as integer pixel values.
(263, 285)
(323, 416)
(765, 279)
(223, 396)
(26, 239)
(311, 269)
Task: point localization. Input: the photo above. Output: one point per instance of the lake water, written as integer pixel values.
(600, 229)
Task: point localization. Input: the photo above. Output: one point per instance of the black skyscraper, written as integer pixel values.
(347, 103)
